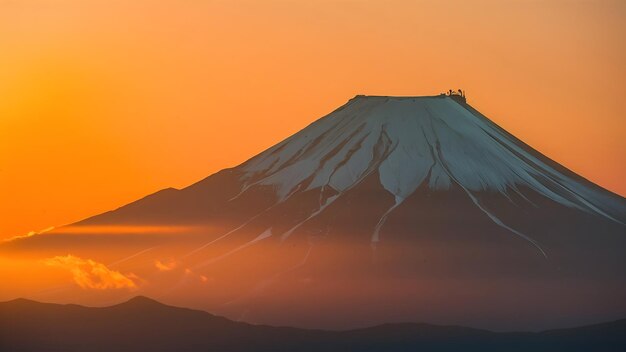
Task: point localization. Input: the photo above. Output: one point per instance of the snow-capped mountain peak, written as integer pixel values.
(409, 141)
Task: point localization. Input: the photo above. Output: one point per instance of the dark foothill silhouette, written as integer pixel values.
(142, 324)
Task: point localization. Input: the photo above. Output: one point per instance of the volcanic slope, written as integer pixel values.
(421, 201)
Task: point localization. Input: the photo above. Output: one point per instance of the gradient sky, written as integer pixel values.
(103, 102)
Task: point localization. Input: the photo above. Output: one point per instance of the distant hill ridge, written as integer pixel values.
(147, 325)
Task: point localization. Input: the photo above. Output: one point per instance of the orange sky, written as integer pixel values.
(105, 101)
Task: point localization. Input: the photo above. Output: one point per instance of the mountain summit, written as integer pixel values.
(396, 208)
(409, 142)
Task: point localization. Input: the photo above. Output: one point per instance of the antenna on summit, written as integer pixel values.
(456, 95)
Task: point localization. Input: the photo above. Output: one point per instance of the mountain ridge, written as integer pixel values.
(32, 326)
(544, 159)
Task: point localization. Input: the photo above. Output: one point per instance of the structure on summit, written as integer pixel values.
(458, 95)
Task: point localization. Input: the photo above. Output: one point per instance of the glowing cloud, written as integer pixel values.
(89, 274)
(30, 234)
(165, 266)
(125, 229)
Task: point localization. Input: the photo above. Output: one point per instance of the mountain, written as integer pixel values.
(142, 324)
(387, 209)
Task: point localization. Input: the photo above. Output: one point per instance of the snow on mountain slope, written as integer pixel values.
(410, 141)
